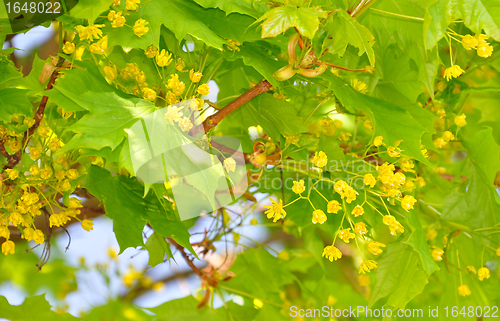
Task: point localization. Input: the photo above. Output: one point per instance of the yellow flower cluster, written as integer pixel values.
(453, 72)
(345, 191)
(117, 19)
(444, 140)
(478, 43)
(394, 225)
(140, 28)
(64, 216)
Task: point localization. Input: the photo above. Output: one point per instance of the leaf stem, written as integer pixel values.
(398, 15)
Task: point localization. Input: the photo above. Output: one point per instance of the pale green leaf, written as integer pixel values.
(399, 276)
(484, 153)
(248, 7)
(185, 309)
(157, 248)
(182, 17)
(418, 242)
(90, 9)
(14, 101)
(33, 308)
(124, 204)
(280, 19)
(346, 30)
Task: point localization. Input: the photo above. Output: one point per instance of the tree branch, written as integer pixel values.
(215, 119)
(13, 160)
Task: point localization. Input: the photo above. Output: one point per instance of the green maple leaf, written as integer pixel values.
(280, 19)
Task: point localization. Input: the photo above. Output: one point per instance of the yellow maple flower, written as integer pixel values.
(318, 217)
(359, 86)
(340, 186)
(99, 47)
(132, 4)
(460, 120)
(333, 207)
(12, 174)
(367, 266)
(360, 228)
(464, 290)
(331, 253)
(471, 269)
(74, 202)
(180, 65)
(344, 136)
(393, 151)
(349, 194)
(484, 50)
(498, 251)
(118, 20)
(378, 141)
(440, 142)
(447, 136)
(195, 76)
(185, 124)
(148, 94)
(94, 31)
(407, 202)
(4, 232)
(469, 42)
(87, 225)
(110, 72)
(230, 164)
(16, 218)
(358, 211)
(68, 48)
(141, 78)
(320, 159)
(346, 234)
(275, 210)
(38, 237)
(140, 28)
(437, 254)
(203, 89)
(173, 81)
(111, 15)
(370, 180)
(163, 58)
(394, 225)
(8, 247)
(453, 72)
(375, 247)
(151, 51)
(79, 52)
(483, 273)
(298, 187)
(112, 253)
(173, 113)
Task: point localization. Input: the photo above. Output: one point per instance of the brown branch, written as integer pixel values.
(215, 119)
(13, 160)
(186, 258)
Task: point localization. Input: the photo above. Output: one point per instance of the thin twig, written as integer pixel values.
(13, 160)
(215, 119)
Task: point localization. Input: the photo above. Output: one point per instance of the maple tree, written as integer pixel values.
(369, 131)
